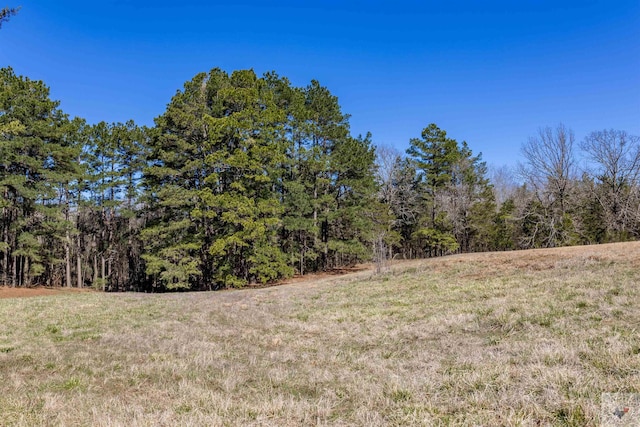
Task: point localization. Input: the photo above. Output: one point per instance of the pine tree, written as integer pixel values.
(434, 156)
(109, 220)
(6, 13)
(352, 230)
(36, 171)
(213, 183)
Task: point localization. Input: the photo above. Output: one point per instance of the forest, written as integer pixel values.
(247, 179)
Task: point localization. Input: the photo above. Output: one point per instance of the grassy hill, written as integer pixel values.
(511, 338)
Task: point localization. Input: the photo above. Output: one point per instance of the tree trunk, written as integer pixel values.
(95, 269)
(103, 271)
(109, 272)
(5, 257)
(315, 221)
(5, 240)
(67, 258)
(14, 275)
(26, 279)
(79, 267)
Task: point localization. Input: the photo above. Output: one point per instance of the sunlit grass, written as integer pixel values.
(489, 339)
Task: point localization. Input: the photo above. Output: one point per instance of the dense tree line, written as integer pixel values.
(250, 179)
(441, 199)
(247, 179)
(244, 179)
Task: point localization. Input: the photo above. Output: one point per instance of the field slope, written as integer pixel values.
(518, 338)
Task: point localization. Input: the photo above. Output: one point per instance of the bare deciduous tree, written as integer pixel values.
(615, 158)
(504, 183)
(550, 163)
(387, 162)
(550, 169)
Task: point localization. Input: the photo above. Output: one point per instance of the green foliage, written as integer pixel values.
(441, 242)
(503, 238)
(456, 199)
(259, 178)
(247, 179)
(36, 168)
(6, 13)
(434, 155)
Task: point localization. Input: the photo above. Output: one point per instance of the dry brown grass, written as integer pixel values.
(519, 338)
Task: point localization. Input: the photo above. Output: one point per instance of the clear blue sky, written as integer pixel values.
(489, 72)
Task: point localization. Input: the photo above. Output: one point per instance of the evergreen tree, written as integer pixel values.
(329, 178)
(469, 201)
(35, 173)
(351, 226)
(503, 223)
(109, 220)
(215, 167)
(6, 13)
(324, 128)
(455, 192)
(434, 156)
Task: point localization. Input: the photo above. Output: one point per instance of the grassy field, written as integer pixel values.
(519, 338)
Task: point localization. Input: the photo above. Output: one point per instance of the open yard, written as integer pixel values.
(516, 338)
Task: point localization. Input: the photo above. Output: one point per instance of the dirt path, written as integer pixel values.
(8, 292)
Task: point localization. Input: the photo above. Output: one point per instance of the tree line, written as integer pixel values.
(443, 199)
(248, 179)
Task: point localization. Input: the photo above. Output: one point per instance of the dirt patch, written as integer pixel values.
(312, 277)
(8, 292)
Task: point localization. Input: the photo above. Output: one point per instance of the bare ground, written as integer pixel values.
(11, 292)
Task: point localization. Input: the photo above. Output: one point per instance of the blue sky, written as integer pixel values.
(488, 72)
